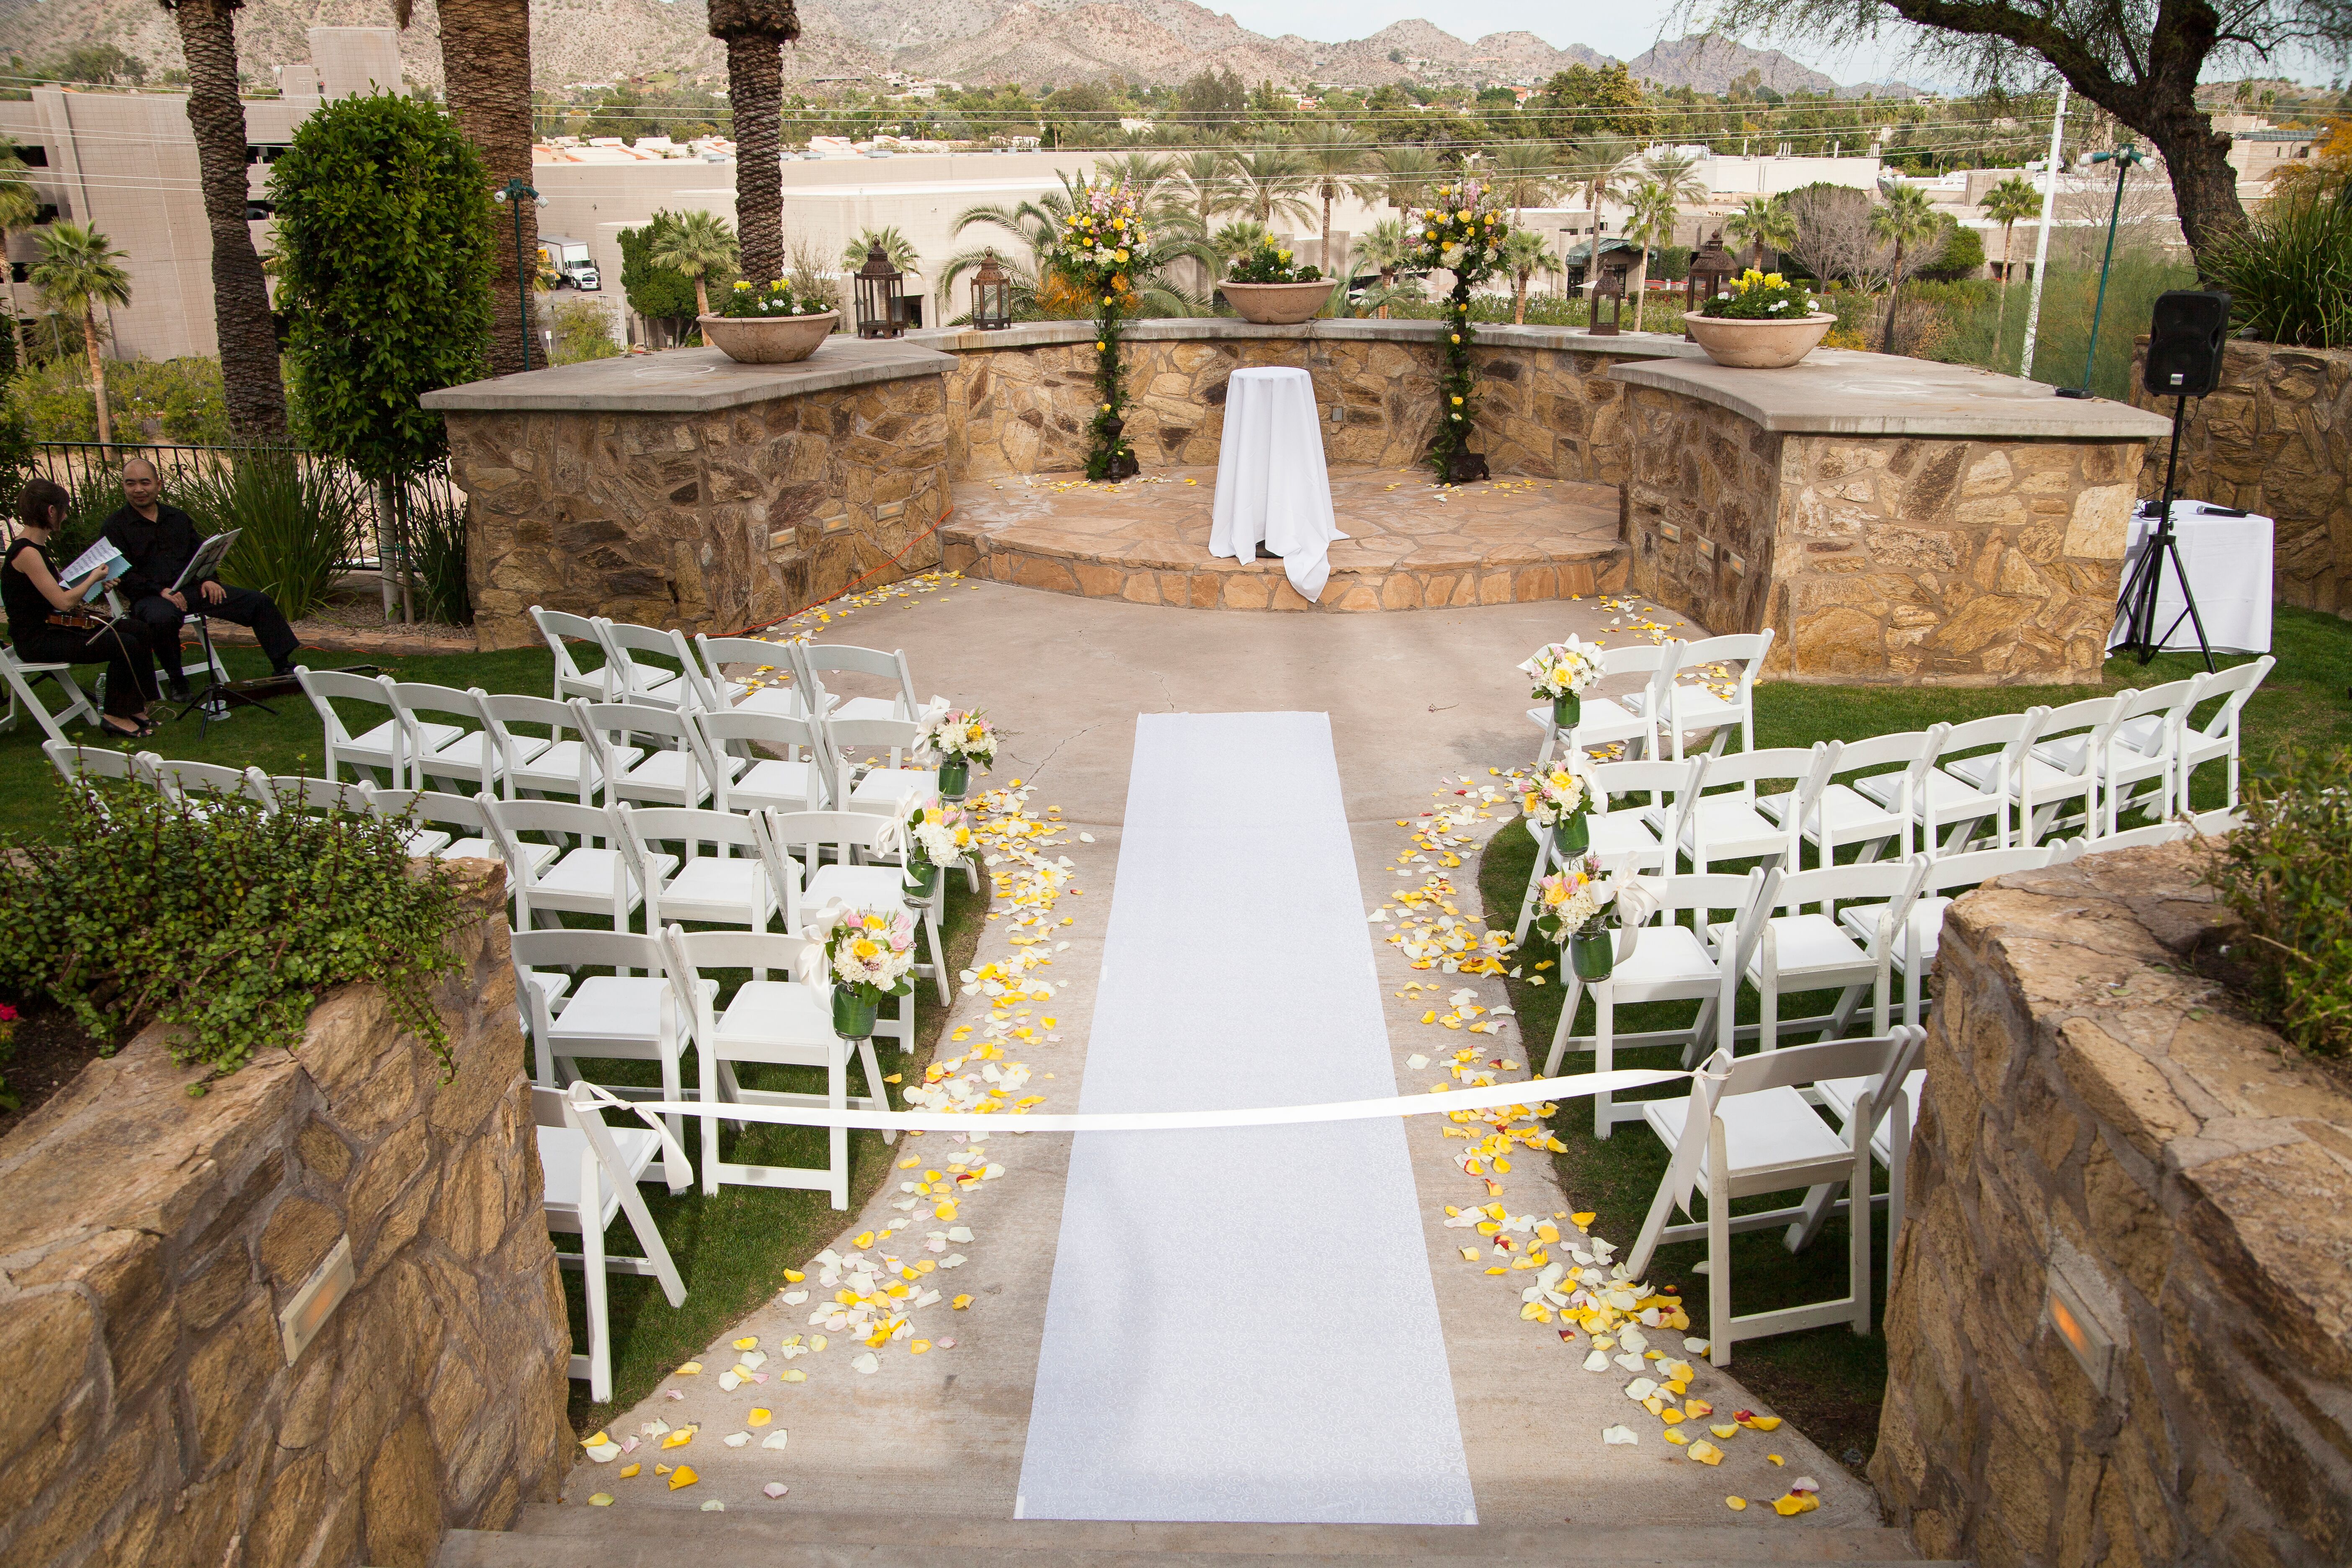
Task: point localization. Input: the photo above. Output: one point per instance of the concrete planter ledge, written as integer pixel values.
(1220, 328)
(1838, 392)
(689, 381)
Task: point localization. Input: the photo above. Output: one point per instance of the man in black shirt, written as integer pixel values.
(159, 542)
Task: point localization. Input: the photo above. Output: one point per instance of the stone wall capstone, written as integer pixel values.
(152, 1241)
(2101, 1131)
(2275, 439)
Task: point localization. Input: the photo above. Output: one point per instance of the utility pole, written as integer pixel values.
(2041, 243)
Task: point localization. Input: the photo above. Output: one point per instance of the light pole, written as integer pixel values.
(2122, 158)
(2042, 245)
(513, 193)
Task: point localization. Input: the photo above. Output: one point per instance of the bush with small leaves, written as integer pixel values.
(2289, 874)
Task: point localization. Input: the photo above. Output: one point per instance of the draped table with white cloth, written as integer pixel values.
(2228, 558)
(1272, 484)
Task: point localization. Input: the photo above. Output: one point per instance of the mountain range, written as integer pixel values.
(975, 42)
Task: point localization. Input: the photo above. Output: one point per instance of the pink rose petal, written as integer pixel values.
(775, 1489)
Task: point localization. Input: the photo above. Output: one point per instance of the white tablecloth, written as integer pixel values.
(1272, 484)
(2228, 560)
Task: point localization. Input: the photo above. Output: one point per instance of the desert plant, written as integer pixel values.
(2289, 271)
(298, 522)
(2288, 874)
(436, 531)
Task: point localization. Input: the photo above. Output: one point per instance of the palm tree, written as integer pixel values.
(1599, 171)
(1385, 246)
(1762, 223)
(697, 244)
(1238, 238)
(1037, 225)
(1650, 222)
(755, 32)
(18, 205)
(896, 246)
(1905, 218)
(80, 270)
(486, 70)
(1407, 171)
(1151, 178)
(1269, 183)
(1526, 174)
(1202, 183)
(1336, 159)
(1524, 256)
(2009, 203)
(251, 382)
(1677, 176)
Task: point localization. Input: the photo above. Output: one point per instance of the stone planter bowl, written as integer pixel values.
(1278, 304)
(767, 339)
(1759, 344)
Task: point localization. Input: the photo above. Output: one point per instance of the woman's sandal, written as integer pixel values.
(141, 729)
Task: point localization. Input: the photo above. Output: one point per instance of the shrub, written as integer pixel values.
(2289, 873)
(437, 532)
(2289, 271)
(1963, 254)
(221, 920)
(301, 523)
(581, 330)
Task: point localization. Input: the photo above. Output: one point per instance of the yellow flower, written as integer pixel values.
(1457, 336)
(1282, 256)
(740, 283)
(1429, 234)
(1465, 215)
(1457, 402)
(864, 948)
(1100, 345)
(1118, 256)
(1772, 281)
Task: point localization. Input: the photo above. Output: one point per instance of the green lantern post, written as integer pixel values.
(513, 193)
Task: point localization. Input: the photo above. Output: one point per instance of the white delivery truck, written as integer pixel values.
(568, 259)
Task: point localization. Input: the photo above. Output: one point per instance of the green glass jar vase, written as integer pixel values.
(1572, 836)
(1567, 710)
(955, 778)
(922, 882)
(853, 1014)
(1593, 954)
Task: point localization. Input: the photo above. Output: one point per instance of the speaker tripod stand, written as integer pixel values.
(2142, 588)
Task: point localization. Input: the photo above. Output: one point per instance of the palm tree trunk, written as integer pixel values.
(1894, 298)
(2001, 300)
(1519, 300)
(1639, 287)
(250, 381)
(97, 371)
(1328, 268)
(701, 295)
(486, 61)
(755, 83)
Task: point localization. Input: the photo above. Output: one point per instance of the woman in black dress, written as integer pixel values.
(49, 624)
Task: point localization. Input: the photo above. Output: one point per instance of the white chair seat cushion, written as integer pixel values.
(587, 683)
(883, 789)
(2039, 777)
(2145, 735)
(1695, 707)
(556, 768)
(858, 887)
(1927, 920)
(781, 700)
(376, 745)
(424, 841)
(866, 707)
(773, 784)
(550, 983)
(609, 1011)
(730, 890)
(1839, 1094)
(462, 758)
(1946, 794)
(1807, 944)
(1601, 722)
(779, 1016)
(660, 688)
(662, 778)
(1665, 956)
(560, 1149)
(588, 872)
(1770, 1129)
(1730, 828)
(1850, 815)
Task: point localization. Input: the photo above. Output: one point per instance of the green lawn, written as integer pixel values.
(1830, 1381)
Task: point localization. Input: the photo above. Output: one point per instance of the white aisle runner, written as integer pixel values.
(1242, 1325)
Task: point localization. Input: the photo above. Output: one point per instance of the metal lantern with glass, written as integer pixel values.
(1712, 268)
(1609, 289)
(991, 295)
(877, 292)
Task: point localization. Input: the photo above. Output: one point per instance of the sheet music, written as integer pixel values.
(91, 559)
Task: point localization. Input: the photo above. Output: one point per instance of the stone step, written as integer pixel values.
(564, 1537)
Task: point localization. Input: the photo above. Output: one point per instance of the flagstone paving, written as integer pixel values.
(1412, 543)
(1417, 701)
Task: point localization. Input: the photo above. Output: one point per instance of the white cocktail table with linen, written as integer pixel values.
(1272, 483)
(2228, 558)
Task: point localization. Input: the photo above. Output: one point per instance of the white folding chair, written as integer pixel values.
(468, 762)
(2134, 769)
(312, 797)
(802, 778)
(1798, 952)
(21, 678)
(1746, 1129)
(883, 788)
(1608, 721)
(853, 841)
(2044, 790)
(78, 764)
(548, 764)
(1692, 702)
(1844, 815)
(619, 1016)
(785, 1022)
(814, 661)
(1725, 824)
(2220, 820)
(723, 888)
(1624, 838)
(626, 646)
(561, 631)
(680, 772)
(1949, 800)
(1667, 961)
(464, 822)
(2216, 740)
(770, 665)
(589, 874)
(2141, 838)
(591, 1173)
(1913, 954)
(389, 747)
(204, 787)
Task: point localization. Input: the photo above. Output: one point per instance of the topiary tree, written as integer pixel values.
(655, 292)
(386, 252)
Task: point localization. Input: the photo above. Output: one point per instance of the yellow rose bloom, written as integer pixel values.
(1118, 256)
(1465, 215)
(1772, 281)
(1100, 345)
(1282, 256)
(864, 949)
(1457, 402)
(1457, 336)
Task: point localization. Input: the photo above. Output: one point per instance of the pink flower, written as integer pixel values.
(7, 1014)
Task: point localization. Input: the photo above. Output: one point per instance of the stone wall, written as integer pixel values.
(152, 1241)
(2103, 1141)
(715, 521)
(1024, 407)
(2275, 438)
(1917, 561)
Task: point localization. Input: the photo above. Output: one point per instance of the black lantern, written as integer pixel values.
(1710, 269)
(991, 295)
(877, 293)
(1609, 289)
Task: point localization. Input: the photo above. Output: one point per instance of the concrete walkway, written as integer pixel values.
(1414, 698)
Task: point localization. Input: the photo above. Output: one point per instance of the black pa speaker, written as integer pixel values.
(2184, 343)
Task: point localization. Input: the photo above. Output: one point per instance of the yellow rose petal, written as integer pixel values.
(601, 1500)
(678, 1439)
(1676, 1438)
(748, 1342)
(1587, 1218)
(689, 1369)
(1705, 1453)
(631, 1471)
(916, 1347)
(683, 1476)
(960, 1302)
(1725, 1433)
(1735, 1504)
(793, 1276)
(759, 1417)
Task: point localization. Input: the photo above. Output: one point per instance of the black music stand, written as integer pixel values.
(2147, 579)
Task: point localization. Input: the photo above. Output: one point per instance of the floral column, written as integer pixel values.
(1099, 250)
(1463, 234)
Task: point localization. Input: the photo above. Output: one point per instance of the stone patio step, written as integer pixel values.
(569, 1536)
